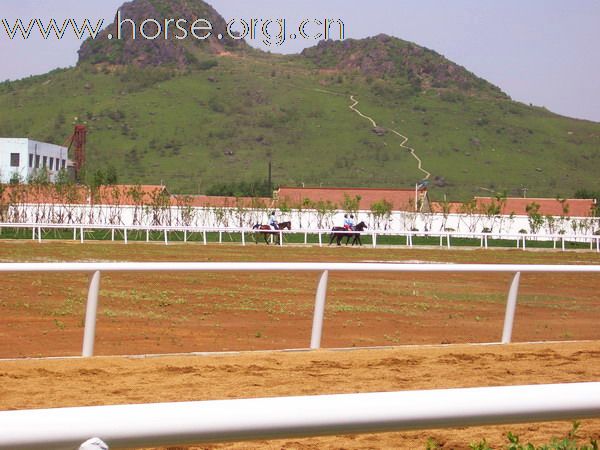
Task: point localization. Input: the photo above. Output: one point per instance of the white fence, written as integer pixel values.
(445, 238)
(135, 426)
(127, 426)
(95, 270)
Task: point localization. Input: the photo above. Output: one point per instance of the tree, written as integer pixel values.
(493, 211)
(469, 208)
(536, 220)
(15, 178)
(137, 196)
(351, 204)
(3, 204)
(62, 178)
(325, 211)
(382, 211)
(111, 177)
(446, 209)
(40, 177)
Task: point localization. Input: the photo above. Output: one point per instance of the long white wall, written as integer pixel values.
(306, 219)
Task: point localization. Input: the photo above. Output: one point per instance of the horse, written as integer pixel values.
(340, 233)
(267, 231)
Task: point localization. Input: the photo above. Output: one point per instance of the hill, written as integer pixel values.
(197, 114)
(167, 49)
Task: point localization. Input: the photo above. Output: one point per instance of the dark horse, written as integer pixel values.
(340, 233)
(267, 231)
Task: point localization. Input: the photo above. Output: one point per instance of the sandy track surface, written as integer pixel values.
(118, 380)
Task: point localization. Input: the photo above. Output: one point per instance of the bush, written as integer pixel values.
(207, 64)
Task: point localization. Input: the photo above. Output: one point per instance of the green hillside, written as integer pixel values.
(221, 117)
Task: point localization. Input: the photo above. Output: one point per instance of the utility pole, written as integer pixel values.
(270, 177)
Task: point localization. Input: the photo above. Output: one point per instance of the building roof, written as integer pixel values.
(206, 201)
(548, 206)
(77, 194)
(400, 199)
(453, 207)
(43, 194)
(127, 195)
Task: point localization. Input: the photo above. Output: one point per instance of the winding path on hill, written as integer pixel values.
(402, 144)
(370, 119)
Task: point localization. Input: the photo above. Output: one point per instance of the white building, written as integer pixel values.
(22, 157)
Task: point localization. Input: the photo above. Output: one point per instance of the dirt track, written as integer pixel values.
(183, 313)
(75, 382)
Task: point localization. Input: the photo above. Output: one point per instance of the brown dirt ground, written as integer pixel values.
(167, 313)
(109, 380)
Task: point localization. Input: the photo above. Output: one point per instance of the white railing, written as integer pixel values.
(95, 270)
(149, 425)
(445, 237)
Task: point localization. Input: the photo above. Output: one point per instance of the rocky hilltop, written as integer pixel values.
(166, 49)
(387, 56)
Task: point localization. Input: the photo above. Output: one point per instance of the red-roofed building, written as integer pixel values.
(128, 195)
(446, 207)
(400, 199)
(48, 194)
(125, 195)
(547, 206)
(205, 201)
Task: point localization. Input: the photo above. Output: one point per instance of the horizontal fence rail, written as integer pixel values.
(124, 233)
(128, 426)
(95, 269)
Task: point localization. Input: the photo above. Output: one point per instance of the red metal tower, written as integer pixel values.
(78, 139)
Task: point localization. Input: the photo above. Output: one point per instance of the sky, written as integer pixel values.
(540, 52)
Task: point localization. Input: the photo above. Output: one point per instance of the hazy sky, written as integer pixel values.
(543, 52)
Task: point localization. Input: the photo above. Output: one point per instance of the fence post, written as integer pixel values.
(320, 240)
(243, 237)
(81, 235)
(374, 240)
(89, 332)
(511, 305)
(166, 237)
(204, 236)
(280, 238)
(317, 329)
(39, 234)
(125, 234)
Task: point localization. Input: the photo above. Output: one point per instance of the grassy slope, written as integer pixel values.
(179, 130)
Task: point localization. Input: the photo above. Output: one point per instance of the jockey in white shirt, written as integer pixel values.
(273, 222)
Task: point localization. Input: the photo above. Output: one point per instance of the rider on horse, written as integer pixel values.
(349, 222)
(273, 222)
